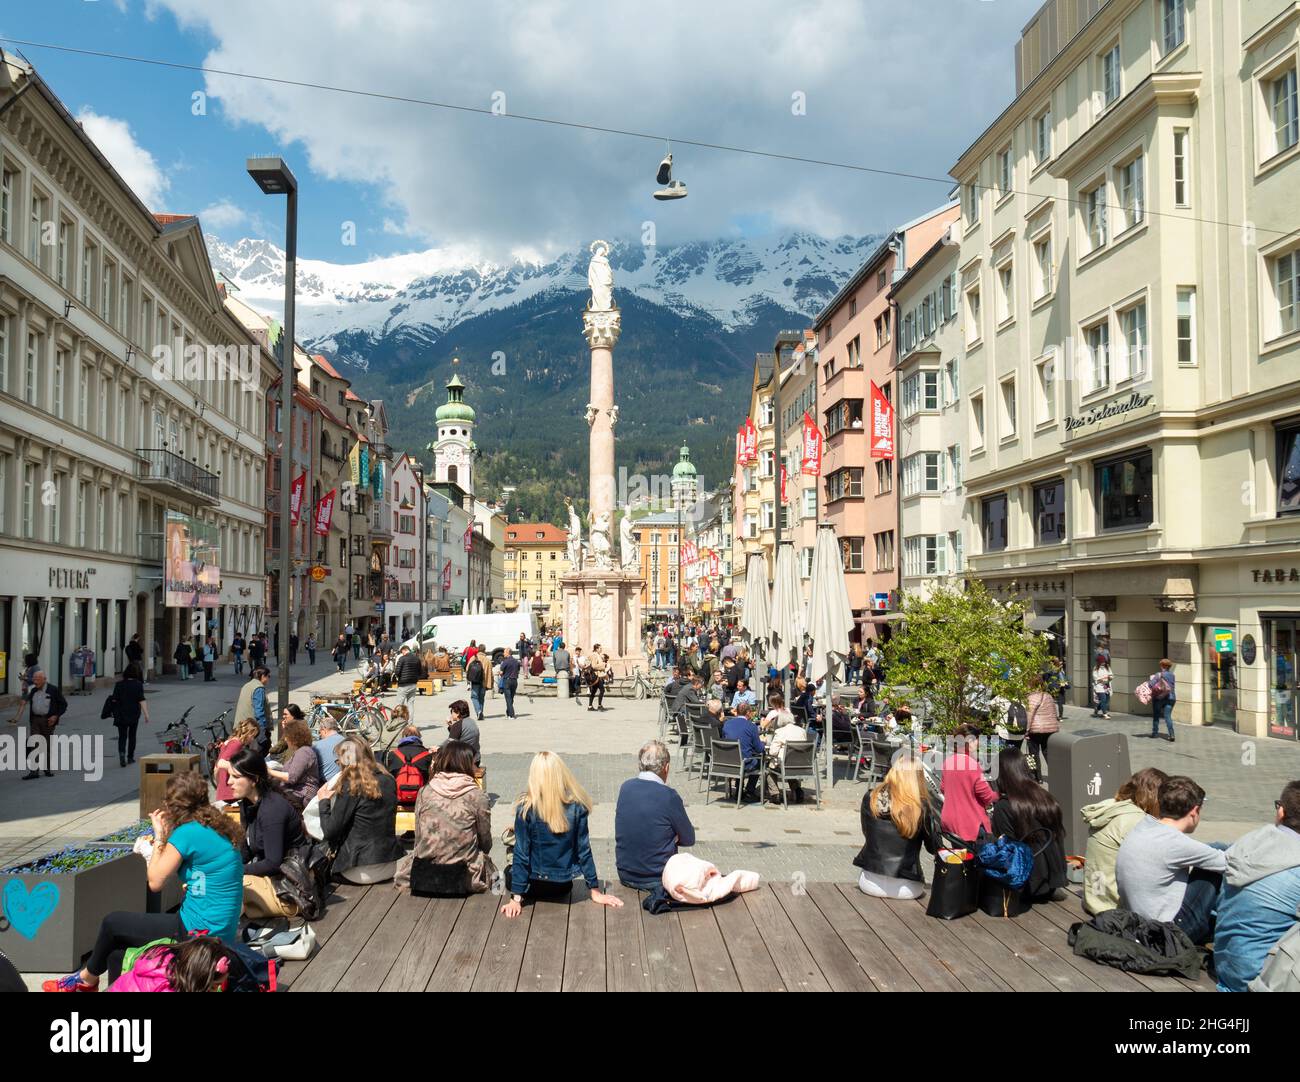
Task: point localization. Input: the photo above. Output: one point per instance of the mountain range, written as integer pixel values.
(694, 315)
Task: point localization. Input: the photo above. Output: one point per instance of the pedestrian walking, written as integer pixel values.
(1164, 694)
(1044, 720)
(1102, 679)
(182, 656)
(476, 677)
(311, 649)
(209, 659)
(408, 673)
(135, 652)
(509, 669)
(237, 647)
(45, 705)
(293, 648)
(257, 651)
(596, 674)
(340, 653)
(127, 706)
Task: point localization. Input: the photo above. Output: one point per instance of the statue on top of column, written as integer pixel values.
(600, 277)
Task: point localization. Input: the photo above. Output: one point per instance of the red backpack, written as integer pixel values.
(409, 779)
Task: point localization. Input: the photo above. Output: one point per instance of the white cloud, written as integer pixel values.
(135, 164)
(222, 215)
(894, 86)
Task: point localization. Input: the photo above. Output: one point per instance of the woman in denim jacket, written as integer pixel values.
(552, 844)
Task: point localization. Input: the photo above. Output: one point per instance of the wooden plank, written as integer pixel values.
(460, 957)
(499, 969)
(794, 963)
(745, 943)
(1047, 933)
(414, 966)
(626, 968)
(342, 900)
(1070, 912)
(1045, 962)
(331, 964)
(371, 966)
(542, 969)
(886, 972)
(710, 960)
(665, 951)
(948, 945)
(840, 968)
(928, 971)
(584, 949)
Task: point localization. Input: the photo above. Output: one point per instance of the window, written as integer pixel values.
(6, 346)
(1186, 325)
(953, 371)
(8, 191)
(1042, 265)
(1043, 136)
(884, 476)
(1008, 388)
(810, 503)
(1128, 185)
(993, 522)
(1182, 164)
(1285, 278)
(1288, 468)
(31, 366)
(805, 563)
(855, 352)
(954, 466)
(852, 550)
(1133, 322)
(882, 329)
(108, 292)
(1281, 97)
(1045, 384)
(1110, 75)
(1173, 25)
(29, 501)
(842, 483)
(977, 421)
(767, 462)
(973, 329)
(1006, 293)
(61, 253)
(766, 412)
(1096, 357)
(1094, 216)
(60, 367)
(101, 520)
(921, 473)
(973, 202)
(880, 279)
(1004, 172)
(88, 265)
(769, 516)
(36, 242)
(1124, 491)
(884, 550)
(954, 542)
(920, 392)
(83, 495)
(56, 508)
(1049, 512)
(924, 555)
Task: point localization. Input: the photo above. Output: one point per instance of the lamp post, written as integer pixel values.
(274, 177)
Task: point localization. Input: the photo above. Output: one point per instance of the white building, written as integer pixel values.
(405, 580)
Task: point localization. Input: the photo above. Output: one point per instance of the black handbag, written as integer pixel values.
(955, 890)
(429, 879)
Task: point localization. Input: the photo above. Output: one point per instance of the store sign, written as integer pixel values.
(1224, 639)
(65, 578)
(1109, 414)
(1248, 650)
(1276, 574)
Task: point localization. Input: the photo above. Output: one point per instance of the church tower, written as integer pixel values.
(453, 451)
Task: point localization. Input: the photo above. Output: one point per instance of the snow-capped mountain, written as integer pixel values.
(423, 295)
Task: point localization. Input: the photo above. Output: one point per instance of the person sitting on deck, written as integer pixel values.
(897, 819)
(357, 812)
(966, 793)
(650, 821)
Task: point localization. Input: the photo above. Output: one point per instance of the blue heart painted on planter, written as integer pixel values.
(28, 910)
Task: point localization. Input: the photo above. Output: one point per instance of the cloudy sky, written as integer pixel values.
(891, 84)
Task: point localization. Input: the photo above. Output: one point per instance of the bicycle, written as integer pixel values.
(218, 734)
(180, 739)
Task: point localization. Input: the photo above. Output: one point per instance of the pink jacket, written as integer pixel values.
(149, 974)
(697, 882)
(966, 796)
(1043, 717)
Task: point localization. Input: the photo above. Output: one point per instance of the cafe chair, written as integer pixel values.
(726, 764)
(800, 765)
(702, 734)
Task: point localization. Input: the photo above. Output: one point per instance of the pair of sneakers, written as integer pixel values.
(71, 983)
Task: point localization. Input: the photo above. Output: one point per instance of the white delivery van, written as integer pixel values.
(491, 630)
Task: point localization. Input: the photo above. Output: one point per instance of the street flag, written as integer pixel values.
(811, 462)
(363, 465)
(325, 512)
(882, 424)
(783, 480)
(354, 465)
(446, 576)
(295, 499)
(377, 478)
(469, 532)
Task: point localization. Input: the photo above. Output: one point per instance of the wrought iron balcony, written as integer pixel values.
(169, 472)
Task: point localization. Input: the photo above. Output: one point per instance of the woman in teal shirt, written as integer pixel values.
(199, 845)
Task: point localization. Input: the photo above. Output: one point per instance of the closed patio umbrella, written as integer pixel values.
(787, 608)
(464, 609)
(755, 614)
(830, 619)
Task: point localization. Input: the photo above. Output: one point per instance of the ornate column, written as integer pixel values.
(601, 330)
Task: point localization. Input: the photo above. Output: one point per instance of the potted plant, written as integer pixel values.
(52, 906)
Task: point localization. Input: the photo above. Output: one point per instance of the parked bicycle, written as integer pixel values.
(218, 734)
(176, 738)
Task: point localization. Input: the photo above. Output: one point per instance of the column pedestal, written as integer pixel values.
(604, 607)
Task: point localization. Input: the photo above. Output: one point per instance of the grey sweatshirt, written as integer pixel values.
(1153, 865)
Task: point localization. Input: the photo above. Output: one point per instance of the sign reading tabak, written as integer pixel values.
(1105, 415)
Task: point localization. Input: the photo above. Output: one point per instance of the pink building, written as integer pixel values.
(404, 588)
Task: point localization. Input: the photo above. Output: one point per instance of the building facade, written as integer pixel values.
(536, 557)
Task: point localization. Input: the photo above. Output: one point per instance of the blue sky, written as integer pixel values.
(410, 178)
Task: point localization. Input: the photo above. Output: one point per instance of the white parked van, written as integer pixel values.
(491, 630)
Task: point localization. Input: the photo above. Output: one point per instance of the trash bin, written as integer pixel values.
(155, 772)
(1083, 767)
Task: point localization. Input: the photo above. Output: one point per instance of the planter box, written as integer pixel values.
(52, 918)
(172, 894)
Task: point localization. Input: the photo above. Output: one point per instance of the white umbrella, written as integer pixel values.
(830, 619)
(787, 608)
(755, 615)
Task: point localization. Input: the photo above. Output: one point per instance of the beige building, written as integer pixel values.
(536, 557)
(1130, 293)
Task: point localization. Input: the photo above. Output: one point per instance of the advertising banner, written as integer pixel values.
(354, 466)
(325, 512)
(882, 424)
(469, 533)
(295, 499)
(811, 462)
(784, 497)
(191, 563)
(446, 576)
(363, 465)
(377, 479)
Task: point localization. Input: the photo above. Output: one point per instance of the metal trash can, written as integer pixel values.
(155, 772)
(1083, 767)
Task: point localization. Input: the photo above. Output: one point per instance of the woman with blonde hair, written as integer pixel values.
(358, 815)
(897, 819)
(552, 843)
(244, 736)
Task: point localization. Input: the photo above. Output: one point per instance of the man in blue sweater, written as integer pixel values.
(649, 821)
(741, 728)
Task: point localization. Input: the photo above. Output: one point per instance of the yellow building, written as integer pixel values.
(536, 557)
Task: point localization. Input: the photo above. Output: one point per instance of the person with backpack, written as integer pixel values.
(453, 823)
(126, 706)
(198, 964)
(195, 843)
(1164, 694)
(409, 761)
(476, 677)
(1025, 811)
(357, 812)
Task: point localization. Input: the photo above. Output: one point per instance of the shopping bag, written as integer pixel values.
(955, 890)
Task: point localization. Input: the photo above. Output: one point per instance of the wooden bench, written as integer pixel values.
(425, 687)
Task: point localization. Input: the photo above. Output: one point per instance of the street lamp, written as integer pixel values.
(275, 178)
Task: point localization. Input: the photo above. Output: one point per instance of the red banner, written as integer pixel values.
(740, 446)
(784, 498)
(469, 533)
(747, 443)
(714, 564)
(446, 576)
(325, 512)
(811, 462)
(882, 424)
(295, 499)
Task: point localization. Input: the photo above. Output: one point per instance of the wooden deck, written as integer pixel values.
(831, 938)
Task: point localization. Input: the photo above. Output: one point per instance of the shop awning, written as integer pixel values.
(1045, 621)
